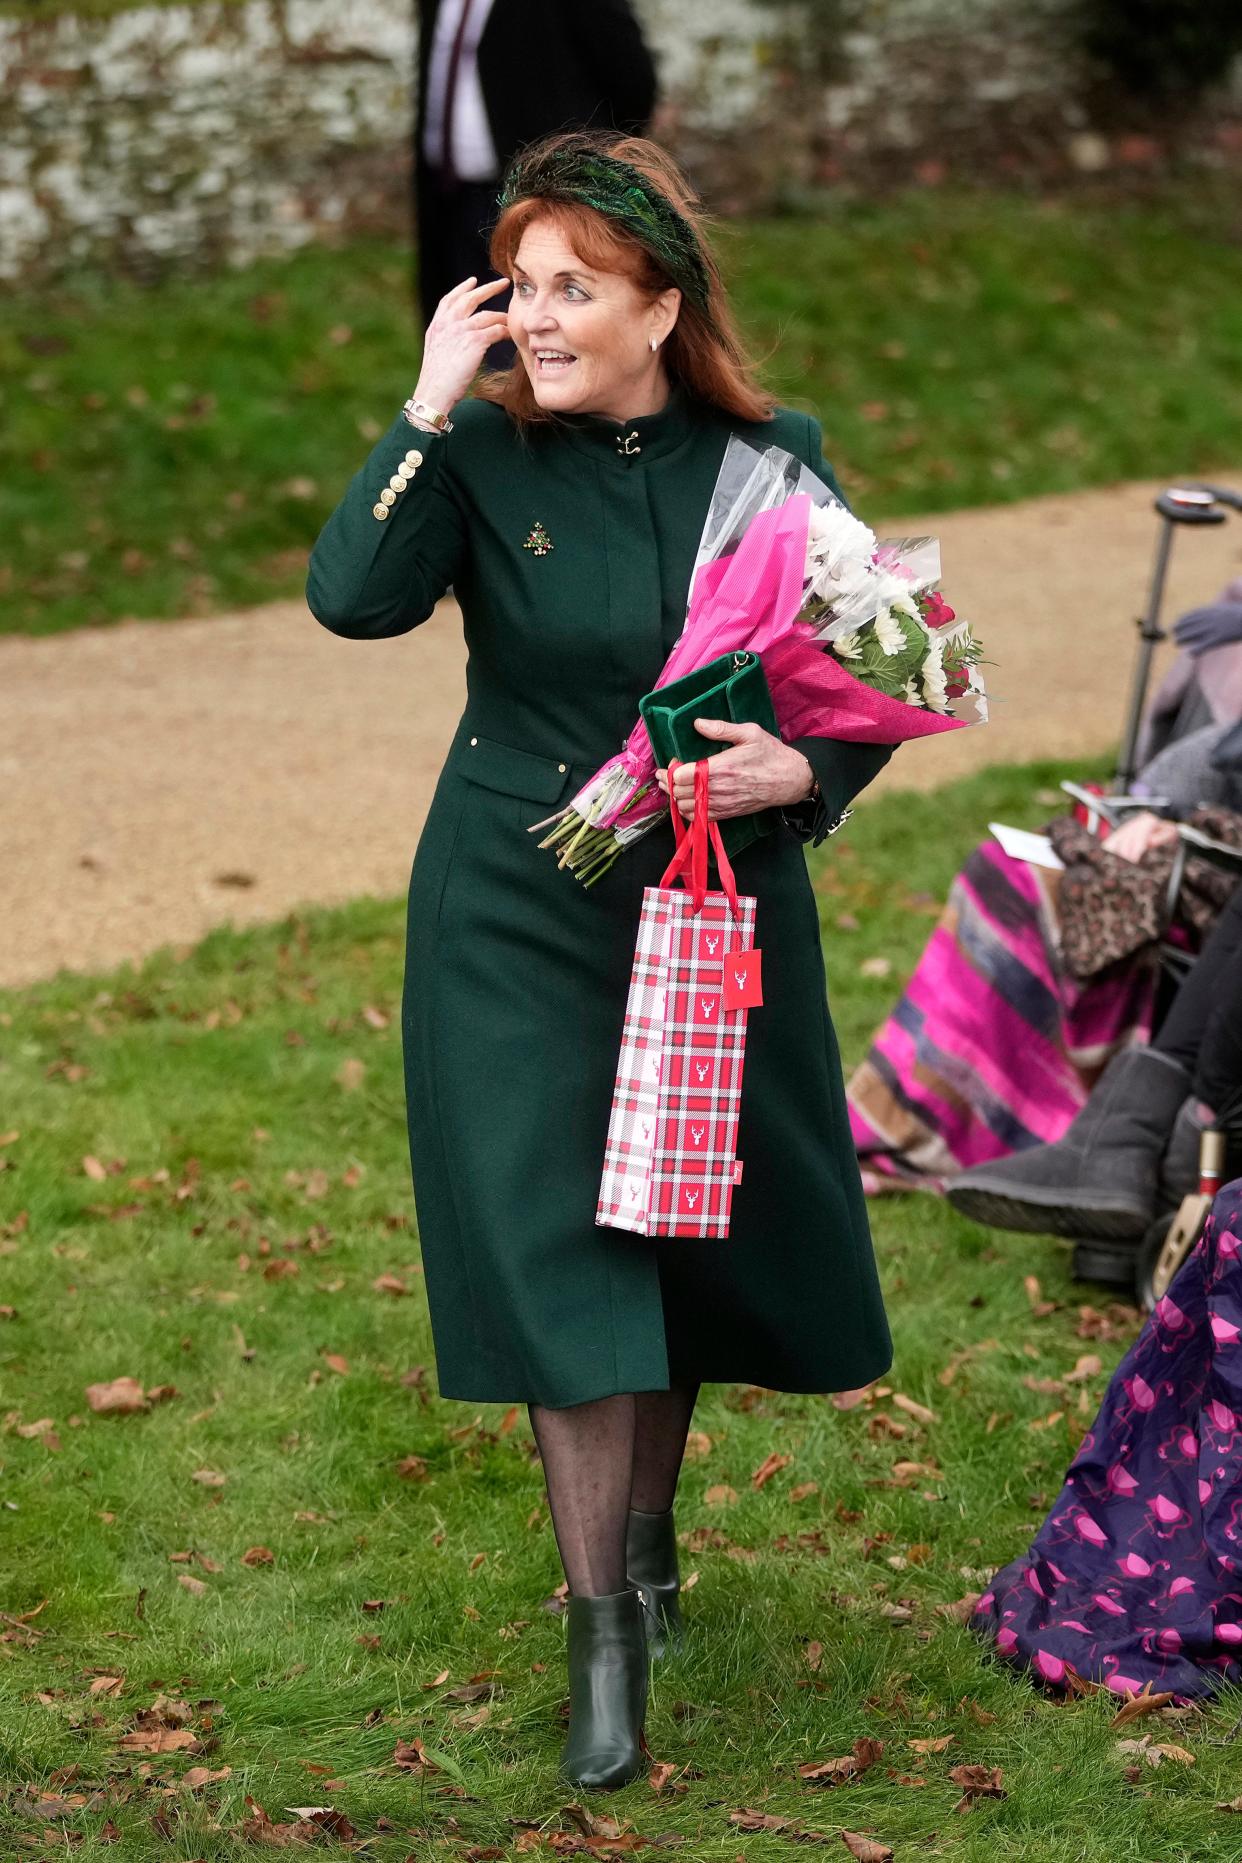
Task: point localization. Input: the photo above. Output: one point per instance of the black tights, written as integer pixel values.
(1203, 1029)
(601, 1459)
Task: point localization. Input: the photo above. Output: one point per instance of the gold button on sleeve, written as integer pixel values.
(405, 471)
(379, 511)
(562, 767)
(388, 496)
(473, 742)
(414, 457)
(396, 483)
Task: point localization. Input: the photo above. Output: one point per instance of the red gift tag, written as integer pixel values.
(743, 980)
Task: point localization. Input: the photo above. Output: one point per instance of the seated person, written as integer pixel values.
(996, 1044)
(1133, 1150)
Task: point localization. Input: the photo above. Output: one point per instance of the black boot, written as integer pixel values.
(607, 1690)
(651, 1565)
(1101, 1177)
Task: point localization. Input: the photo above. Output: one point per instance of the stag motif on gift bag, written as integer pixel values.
(702, 1069)
(707, 1007)
(696, 1133)
(692, 1197)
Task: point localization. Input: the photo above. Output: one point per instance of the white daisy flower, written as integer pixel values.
(889, 633)
(848, 646)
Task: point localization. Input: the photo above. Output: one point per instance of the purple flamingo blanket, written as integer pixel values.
(1136, 1575)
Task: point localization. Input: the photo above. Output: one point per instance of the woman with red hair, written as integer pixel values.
(564, 503)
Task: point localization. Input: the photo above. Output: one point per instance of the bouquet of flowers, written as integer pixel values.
(854, 637)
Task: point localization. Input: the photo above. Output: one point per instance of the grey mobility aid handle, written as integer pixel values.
(1185, 504)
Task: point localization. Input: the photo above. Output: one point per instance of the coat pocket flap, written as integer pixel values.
(512, 772)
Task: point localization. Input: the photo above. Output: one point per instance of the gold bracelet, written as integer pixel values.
(430, 419)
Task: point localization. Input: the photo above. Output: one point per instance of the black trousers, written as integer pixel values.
(1203, 1029)
(453, 229)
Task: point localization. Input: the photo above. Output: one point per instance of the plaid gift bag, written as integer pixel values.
(671, 1162)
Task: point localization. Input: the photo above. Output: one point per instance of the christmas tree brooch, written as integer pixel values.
(539, 540)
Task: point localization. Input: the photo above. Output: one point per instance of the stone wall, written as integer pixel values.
(215, 132)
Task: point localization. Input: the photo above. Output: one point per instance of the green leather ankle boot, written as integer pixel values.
(651, 1565)
(607, 1690)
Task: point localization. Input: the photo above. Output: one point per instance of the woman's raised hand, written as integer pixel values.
(456, 341)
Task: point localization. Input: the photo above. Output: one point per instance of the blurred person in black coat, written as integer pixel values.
(494, 75)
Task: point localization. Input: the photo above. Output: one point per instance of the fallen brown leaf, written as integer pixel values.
(866, 1849)
(975, 1782)
(661, 1774)
(412, 1468)
(120, 1398)
(43, 1429)
(199, 1777)
(335, 1362)
(722, 1495)
(1145, 1702)
(850, 1766)
(698, 1446)
(771, 1466)
(804, 1491)
(961, 1610)
(110, 1685)
(408, 1756)
(937, 1745)
(389, 1284)
(748, 1820)
(814, 1654)
(325, 1818)
(160, 1740)
(919, 1412)
(1040, 1308)
(191, 1584)
(472, 1691)
(592, 1824)
(208, 1478)
(258, 1555)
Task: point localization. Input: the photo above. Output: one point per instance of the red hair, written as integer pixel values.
(703, 351)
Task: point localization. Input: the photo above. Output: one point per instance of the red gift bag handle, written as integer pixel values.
(692, 845)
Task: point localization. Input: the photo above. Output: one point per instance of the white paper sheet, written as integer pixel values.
(1020, 844)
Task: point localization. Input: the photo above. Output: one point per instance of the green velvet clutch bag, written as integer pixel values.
(733, 687)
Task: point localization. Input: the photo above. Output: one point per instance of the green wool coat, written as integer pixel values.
(516, 975)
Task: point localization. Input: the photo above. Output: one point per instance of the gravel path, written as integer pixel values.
(160, 778)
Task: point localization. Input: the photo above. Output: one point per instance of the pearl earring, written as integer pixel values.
(655, 343)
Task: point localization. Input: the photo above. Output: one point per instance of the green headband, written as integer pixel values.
(576, 169)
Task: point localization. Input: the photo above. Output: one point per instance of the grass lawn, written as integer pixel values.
(207, 1190)
(173, 450)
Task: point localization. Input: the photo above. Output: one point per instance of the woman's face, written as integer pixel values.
(585, 336)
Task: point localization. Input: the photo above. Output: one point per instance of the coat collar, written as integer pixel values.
(632, 442)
